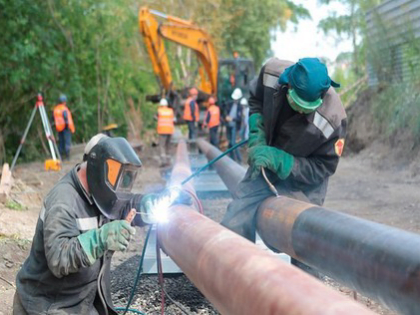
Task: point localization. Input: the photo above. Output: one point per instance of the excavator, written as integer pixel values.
(217, 77)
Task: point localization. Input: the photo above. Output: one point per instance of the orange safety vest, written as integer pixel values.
(214, 112)
(187, 111)
(165, 123)
(60, 124)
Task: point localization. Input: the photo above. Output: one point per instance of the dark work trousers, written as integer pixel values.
(64, 143)
(165, 149)
(240, 216)
(17, 306)
(214, 139)
(191, 130)
(231, 135)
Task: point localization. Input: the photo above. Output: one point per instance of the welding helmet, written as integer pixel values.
(112, 167)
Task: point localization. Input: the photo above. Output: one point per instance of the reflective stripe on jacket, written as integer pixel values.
(214, 112)
(165, 123)
(187, 110)
(57, 277)
(60, 123)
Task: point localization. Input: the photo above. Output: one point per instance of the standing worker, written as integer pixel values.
(297, 129)
(212, 121)
(191, 113)
(83, 220)
(64, 125)
(165, 130)
(234, 120)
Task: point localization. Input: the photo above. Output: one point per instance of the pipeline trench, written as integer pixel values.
(303, 293)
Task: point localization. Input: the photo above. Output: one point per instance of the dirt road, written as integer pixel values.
(360, 188)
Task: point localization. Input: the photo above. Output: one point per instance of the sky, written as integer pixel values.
(307, 40)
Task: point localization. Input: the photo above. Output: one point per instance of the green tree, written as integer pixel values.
(349, 25)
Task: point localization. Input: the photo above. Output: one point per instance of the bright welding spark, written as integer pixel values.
(160, 208)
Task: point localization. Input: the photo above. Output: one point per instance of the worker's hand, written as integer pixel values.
(256, 131)
(114, 236)
(228, 118)
(276, 160)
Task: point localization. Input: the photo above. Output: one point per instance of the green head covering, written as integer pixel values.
(309, 82)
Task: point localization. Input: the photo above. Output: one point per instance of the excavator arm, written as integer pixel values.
(184, 33)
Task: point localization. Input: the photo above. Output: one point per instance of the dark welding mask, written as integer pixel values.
(112, 167)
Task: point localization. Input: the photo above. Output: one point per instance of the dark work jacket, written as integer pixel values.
(57, 278)
(311, 138)
(238, 118)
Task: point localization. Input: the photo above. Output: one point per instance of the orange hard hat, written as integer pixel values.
(211, 100)
(193, 91)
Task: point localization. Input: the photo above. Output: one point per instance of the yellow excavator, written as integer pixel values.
(217, 77)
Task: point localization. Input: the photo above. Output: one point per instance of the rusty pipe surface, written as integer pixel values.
(230, 172)
(377, 260)
(182, 168)
(240, 279)
(234, 274)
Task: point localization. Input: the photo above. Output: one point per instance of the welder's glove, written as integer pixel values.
(256, 131)
(276, 160)
(114, 236)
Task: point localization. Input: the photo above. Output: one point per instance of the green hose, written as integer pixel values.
(213, 161)
(139, 271)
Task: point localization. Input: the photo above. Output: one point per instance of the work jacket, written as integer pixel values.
(191, 106)
(212, 116)
(315, 140)
(63, 117)
(57, 278)
(165, 122)
(237, 120)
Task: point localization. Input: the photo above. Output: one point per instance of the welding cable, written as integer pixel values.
(139, 271)
(197, 201)
(162, 282)
(213, 161)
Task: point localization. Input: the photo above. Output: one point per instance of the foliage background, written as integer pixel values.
(91, 51)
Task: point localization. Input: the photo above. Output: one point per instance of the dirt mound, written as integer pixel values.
(372, 140)
(361, 130)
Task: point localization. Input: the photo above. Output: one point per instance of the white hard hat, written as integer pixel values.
(237, 94)
(163, 102)
(244, 102)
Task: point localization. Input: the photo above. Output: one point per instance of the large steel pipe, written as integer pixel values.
(377, 260)
(230, 172)
(234, 274)
(240, 279)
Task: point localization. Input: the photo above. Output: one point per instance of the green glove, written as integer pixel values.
(114, 236)
(276, 160)
(256, 131)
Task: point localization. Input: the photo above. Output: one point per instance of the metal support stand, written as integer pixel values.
(47, 129)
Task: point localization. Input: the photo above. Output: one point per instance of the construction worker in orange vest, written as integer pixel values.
(191, 113)
(165, 129)
(64, 125)
(212, 120)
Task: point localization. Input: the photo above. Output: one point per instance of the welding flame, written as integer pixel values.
(160, 208)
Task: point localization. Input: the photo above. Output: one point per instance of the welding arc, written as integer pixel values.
(139, 270)
(213, 161)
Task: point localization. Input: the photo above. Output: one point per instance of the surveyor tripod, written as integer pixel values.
(54, 164)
